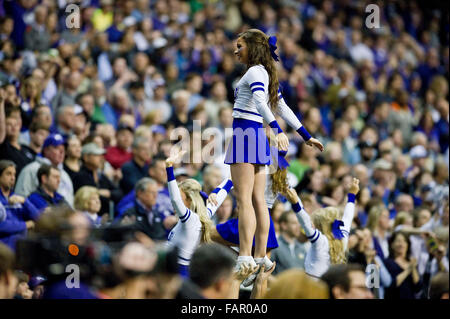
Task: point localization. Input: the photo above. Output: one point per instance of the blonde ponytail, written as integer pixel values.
(323, 218)
(192, 190)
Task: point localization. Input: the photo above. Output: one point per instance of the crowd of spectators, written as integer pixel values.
(93, 98)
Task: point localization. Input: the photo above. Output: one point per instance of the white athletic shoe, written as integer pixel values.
(259, 261)
(244, 260)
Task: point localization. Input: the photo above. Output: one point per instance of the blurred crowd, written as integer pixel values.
(92, 100)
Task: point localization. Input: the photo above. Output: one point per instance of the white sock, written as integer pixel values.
(264, 260)
(244, 259)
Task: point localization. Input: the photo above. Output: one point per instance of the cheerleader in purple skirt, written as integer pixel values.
(256, 96)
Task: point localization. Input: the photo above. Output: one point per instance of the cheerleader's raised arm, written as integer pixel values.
(218, 195)
(174, 192)
(304, 219)
(349, 210)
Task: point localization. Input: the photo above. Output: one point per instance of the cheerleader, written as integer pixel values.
(227, 233)
(328, 232)
(248, 152)
(194, 225)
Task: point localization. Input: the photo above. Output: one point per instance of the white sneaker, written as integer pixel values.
(259, 261)
(244, 260)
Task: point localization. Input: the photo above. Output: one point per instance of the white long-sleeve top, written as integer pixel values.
(252, 96)
(317, 260)
(252, 100)
(187, 232)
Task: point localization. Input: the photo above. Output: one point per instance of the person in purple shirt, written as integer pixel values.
(46, 195)
(20, 213)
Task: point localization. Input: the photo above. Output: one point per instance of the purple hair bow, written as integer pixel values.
(273, 47)
(336, 230)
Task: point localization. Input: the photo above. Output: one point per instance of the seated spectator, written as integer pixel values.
(72, 162)
(159, 102)
(46, 194)
(120, 154)
(65, 121)
(37, 36)
(137, 168)
(403, 203)
(52, 153)
(290, 252)
(347, 282)
(212, 176)
(42, 115)
(224, 212)
(68, 93)
(378, 224)
(20, 213)
(142, 213)
(31, 97)
(38, 133)
(10, 126)
(90, 175)
(180, 101)
(87, 200)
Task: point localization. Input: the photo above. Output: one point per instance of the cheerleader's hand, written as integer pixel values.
(354, 186)
(315, 142)
(175, 157)
(244, 271)
(292, 196)
(282, 141)
(212, 199)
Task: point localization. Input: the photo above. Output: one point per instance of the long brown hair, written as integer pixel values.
(259, 53)
(279, 181)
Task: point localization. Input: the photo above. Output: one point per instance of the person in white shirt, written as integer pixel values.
(195, 224)
(328, 231)
(256, 96)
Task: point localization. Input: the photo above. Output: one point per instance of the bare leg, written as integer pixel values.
(243, 177)
(261, 212)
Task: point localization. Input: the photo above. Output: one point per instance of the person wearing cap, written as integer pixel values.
(418, 155)
(90, 175)
(120, 154)
(36, 284)
(53, 153)
(10, 126)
